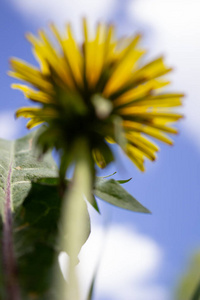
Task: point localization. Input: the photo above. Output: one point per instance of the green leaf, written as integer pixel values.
(36, 208)
(37, 226)
(112, 192)
(19, 165)
(35, 239)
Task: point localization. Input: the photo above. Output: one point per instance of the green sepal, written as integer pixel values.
(124, 181)
(112, 192)
(95, 204)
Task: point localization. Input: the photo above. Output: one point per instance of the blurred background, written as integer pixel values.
(142, 256)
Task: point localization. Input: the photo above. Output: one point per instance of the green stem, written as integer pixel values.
(74, 218)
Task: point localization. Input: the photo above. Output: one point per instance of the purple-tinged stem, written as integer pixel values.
(9, 263)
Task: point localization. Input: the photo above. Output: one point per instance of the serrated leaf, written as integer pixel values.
(36, 213)
(19, 165)
(112, 192)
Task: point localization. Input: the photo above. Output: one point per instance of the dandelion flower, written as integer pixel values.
(99, 90)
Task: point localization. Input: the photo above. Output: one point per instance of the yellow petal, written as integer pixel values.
(42, 62)
(110, 45)
(72, 54)
(167, 100)
(141, 127)
(94, 54)
(154, 69)
(33, 122)
(27, 112)
(32, 112)
(147, 130)
(123, 73)
(138, 143)
(110, 140)
(135, 112)
(99, 159)
(36, 96)
(28, 73)
(139, 92)
(136, 156)
(143, 140)
(55, 61)
(125, 46)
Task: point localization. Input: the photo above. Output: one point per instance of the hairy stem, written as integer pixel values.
(10, 268)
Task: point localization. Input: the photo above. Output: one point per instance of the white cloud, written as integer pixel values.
(176, 25)
(129, 264)
(8, 125)
(62, 11)
(129, 261)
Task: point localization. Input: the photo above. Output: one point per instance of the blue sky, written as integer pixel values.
(170, 187)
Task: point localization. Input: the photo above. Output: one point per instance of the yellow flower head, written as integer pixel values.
(98, 90)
